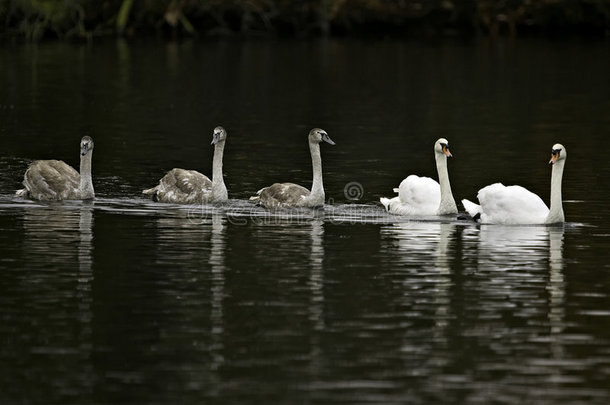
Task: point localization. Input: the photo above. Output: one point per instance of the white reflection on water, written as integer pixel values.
(556, 287)
(426, 246)
(515, 265)
(504, 278)
(518, 260)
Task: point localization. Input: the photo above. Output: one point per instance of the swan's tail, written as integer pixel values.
(474, 210)
(153, 192)
(22, 193)
(385, 202)
(150, 191)
(257, 198)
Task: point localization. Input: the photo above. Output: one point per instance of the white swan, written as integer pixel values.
(516, 205)
(281, 195)
(189, 186)
(423, 196)
(54, 180)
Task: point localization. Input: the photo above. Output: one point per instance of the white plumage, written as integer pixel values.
(416, 196)
(514, 205)
(423, 196)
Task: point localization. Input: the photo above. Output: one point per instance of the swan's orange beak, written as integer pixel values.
(554, 157)
(446, 151)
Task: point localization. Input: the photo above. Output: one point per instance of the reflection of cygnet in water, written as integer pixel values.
(316, 279)
(316, 288)
(217, 268)
(85, 246)
(63, 235)
(55, 230)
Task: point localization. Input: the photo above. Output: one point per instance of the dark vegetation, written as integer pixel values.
(34, 20)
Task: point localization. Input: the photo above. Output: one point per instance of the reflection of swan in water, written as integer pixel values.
(512, 263)
(424, 251)
(556, 288)
(418, 240)
(511, 246)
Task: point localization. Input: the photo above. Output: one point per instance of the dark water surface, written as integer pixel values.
(123, 300)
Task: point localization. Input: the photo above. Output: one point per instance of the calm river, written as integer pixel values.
(126, 301)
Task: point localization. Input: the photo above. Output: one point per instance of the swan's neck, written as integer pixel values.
(556, 209)
(85, 188)
(219, 190)
(447, 205)
(317, 187)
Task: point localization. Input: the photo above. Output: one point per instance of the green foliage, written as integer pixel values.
(123, 15)
(36, 19)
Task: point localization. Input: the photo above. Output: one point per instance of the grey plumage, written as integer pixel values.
(54, 180)
(280, 195)
(182, 186)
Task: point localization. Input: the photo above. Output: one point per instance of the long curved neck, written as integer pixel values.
(317, 186)
(219, 190)
(447, 204)
(85, 187)
(556, 209)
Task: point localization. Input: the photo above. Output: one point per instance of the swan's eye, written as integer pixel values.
(556, 152)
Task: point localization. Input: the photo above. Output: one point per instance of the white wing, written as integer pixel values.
(511, 205)
(422, 194)
(417, 196)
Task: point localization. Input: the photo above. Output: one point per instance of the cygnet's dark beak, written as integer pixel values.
(326, 138)
(215, 138)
